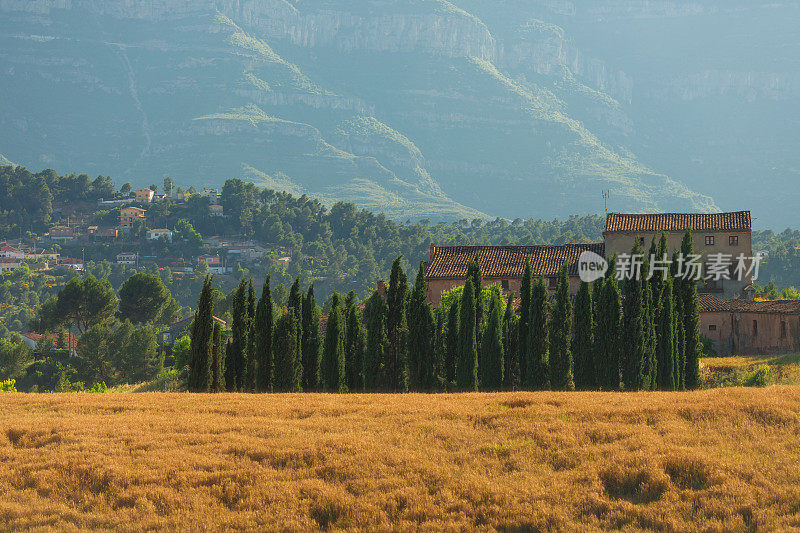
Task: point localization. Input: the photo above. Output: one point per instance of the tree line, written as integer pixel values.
(640, 334)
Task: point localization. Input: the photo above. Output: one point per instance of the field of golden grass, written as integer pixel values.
(718, 460)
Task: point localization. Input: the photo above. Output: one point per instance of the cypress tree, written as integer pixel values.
(583, 340)
(217, 369)
(538, 343)
(200, 371)
(609, 332)
(312, 341)
(651, 311)
(295, 305)
(396, 363)
(524, 323)
(288, 370)
(355, 346)
(666, 339)
(467, 363)
(510, 346)
(680, 333)
(250, 368)
(475, 274)
(561, 377)
(492, 346)
(375, 312)
(333, 362)
(421, 335)
(236, 366)
(634, 339)
(262, 331)
(452, 344)
(691, 322)
(440, 347)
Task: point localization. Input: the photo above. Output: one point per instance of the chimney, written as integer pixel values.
(433, 252)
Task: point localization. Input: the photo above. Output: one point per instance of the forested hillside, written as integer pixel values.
(417, 109)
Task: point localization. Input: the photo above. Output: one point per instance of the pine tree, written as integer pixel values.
(217, 369)
(262, 330)
(609, 332)
(691, 322)
(492, 347)
(666, 339)
(633, 330)
(467, 363)
(421, 335)
(561, 377)
(333, 358)
(524, 323)
(312, 342)
(510, 346)
(200, 371)
(583, 340)
(355, 346)
(538, 343)
(396, 363)
(288, 370)
(452, 344)
(375, 312)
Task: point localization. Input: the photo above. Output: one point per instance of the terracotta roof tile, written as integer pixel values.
(677, 222)
(450, 262)
(711, 304)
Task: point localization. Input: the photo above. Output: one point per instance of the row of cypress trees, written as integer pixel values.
(640, 334)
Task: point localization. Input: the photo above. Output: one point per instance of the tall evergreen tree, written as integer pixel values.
(467, 363)
(312, 341)
(524, 323)
(492, 354)
(680, 332)
(295, 305)
(440, 347)
(375, 312)
(475, 274)
(396, 362)
(288, 370)
(421, 335)
(236, 366)
(355, 347)
(609, 332)
(561, 377)
(666, 338)
(691, 322)
(538, 359)
(634, 338)
(510, 346)
(262, 331)
(583, 339)
(250, 368)
(333, 358)
(650, 315)
(452, 343)
(200, 371)
(217, 368)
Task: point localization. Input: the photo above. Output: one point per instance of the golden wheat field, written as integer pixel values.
(717, 460)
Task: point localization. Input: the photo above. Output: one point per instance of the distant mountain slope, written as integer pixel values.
(418, 108)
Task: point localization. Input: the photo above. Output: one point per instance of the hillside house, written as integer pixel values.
(158, 234)
(8, 264)
(39, 254)
(145, 196)
(97, 233)
(62, 233)
(215, 210)
(9, 252)
(35, 341)
(128, 216)
(447, 266)
(712, 233)
(70, 262)
(127, 258)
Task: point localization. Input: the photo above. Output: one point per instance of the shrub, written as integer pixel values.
(8, 385)
(98, 387)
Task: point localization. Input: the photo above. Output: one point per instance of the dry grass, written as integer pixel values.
(753, 370)
(716, 460)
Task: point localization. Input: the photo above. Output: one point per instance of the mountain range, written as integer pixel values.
(417, 108)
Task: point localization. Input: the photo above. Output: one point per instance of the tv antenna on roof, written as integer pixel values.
(606, 196)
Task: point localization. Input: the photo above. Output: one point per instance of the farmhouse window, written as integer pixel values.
(712, 327)
(709, 240)
(733, 240)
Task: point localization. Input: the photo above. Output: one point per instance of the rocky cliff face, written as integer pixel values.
(442, 109)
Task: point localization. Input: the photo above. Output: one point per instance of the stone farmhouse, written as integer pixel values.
(729, 314)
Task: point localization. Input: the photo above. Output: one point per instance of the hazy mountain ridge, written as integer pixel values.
(417, 108)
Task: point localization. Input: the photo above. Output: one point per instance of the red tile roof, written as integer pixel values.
(450, 262)
(69, 339)
(677, 222)
(711, 304)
